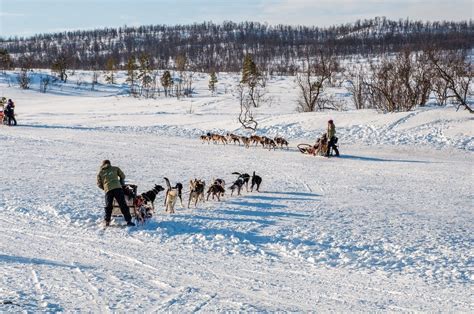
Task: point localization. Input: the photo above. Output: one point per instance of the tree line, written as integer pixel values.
(397, 76)
(393, 82)
(222, 47)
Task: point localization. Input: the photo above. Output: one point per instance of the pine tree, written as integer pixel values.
(181, 63)
(24, 78)
(5, 59)
(110, 71)
(144, 74)
(252, 80)
(132, 73)
(59, 66)
(212, 82)
(167, 82)
(250, 74)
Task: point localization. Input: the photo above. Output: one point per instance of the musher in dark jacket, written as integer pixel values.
(331, 133)
(110, 179)
(10, 112)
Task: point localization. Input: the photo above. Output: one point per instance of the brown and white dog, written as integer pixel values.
(246, 141)
(281, 141)
(205, 138)
(255, 139)
(233, 138)
(196, 191)
(216, 138)
(268, 142)
(172, 193)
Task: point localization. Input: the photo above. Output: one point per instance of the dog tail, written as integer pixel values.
(179, 186)
(236, 173)
(253, 175)
(167, 183)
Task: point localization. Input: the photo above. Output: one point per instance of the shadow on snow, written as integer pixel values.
(35, 261)
(175, 228)
(363, 158)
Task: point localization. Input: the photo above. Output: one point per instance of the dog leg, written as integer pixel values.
(189, 201)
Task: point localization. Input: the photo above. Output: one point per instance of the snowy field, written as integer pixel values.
(388, 226)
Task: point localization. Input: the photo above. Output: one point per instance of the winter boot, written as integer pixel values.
(130, 224)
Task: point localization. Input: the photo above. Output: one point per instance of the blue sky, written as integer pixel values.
(28, 17)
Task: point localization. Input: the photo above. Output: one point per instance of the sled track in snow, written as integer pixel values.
(97, 300)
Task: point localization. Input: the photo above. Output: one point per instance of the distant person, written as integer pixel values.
(10, 112)
(110, 179)
(331, 134)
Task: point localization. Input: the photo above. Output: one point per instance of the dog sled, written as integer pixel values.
(138, 209)
(3, 116)
(320, 148)
(315, 150)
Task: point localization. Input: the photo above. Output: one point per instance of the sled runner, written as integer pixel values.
(305, 148)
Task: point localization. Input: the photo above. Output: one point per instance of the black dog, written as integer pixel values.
(256, 180)
(245, 178)
(220, 182)
(237, 185)
(150, 196)
(215, 189)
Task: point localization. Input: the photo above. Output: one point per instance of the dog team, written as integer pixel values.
(197, 192)
(255, 140)
(111, 180)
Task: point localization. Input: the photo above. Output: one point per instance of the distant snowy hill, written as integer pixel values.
(221, 47)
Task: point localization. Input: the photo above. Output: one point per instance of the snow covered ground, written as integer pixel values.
(388, 226)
